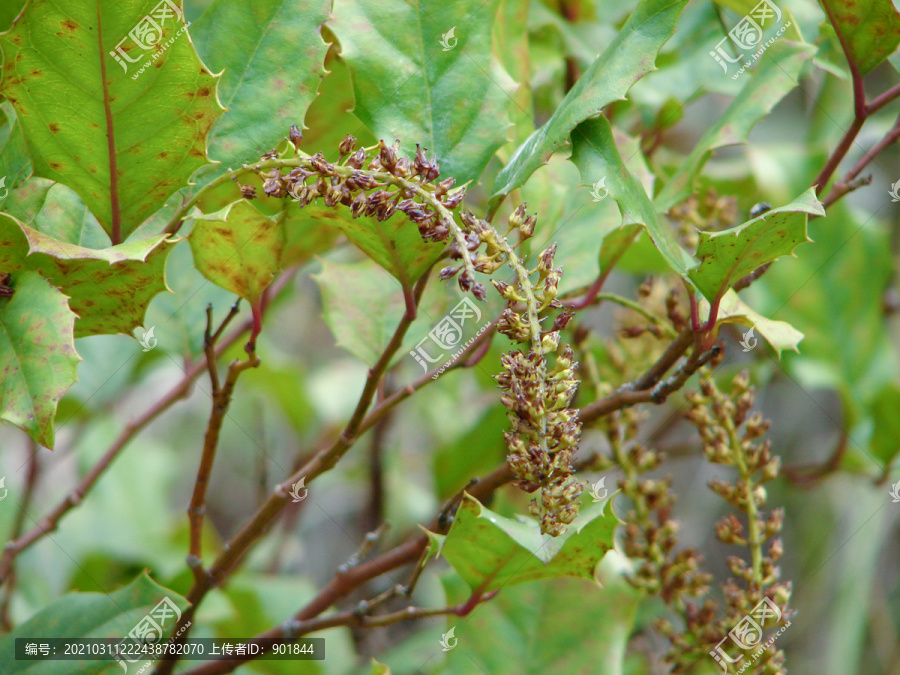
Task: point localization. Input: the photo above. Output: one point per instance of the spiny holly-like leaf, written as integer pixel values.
(272, 53)
(415, 81)
(485, 546)
(123, 140)
(109, 289)
(775, 76)
(594, 153)
(728, 255)
(780, 334)
(238, 248)
(37, 354)
(93, 615)
(631, 55)
(571, 626)
(869, 30)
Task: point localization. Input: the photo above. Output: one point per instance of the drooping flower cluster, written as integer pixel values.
(544, 431)
(730, 436)
(379, 182)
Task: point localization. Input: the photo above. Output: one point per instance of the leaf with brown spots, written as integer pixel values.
(869, 30)
(728, 255)
(272, 55)
(109, 289)
(38, 360)
(484, 546)
(395, 244)
(238, 248)
(97, 122)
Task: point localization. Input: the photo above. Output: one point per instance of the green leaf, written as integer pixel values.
(362, 306)
(775, 76)
(37, 354)
(511, 47)
(485, 546)
(272, 54)
(394, 244)
(238, 248)
(9, 10)
(779, 334)
(628, 57)
(885, 442)
(833, 292)
(727, 256)
(124, 143)
(25, 201)
(869, 30)
(594, 153)
(557, 626)
(449, 97)
(738, 6)
(65, 216)
(474, 453)
(92, 615)
(379, 669)
(109, 289)
(15, 163)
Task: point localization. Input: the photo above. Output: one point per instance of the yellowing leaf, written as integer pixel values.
(238, 248)
(37, 354)
(109, 289)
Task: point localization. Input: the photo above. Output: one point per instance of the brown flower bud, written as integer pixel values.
(295, 136)
(346, 146)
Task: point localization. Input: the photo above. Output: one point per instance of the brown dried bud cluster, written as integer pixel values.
(544, 431)
(377, 182)
(650, 534)
(380, 182)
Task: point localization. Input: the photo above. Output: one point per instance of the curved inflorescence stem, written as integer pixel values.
(379, 182)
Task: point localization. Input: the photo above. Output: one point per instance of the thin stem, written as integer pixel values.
(177, 219)
(197, 509)
(626, 397)
(30, 482)
(845, 185)
(860, 112)
(51, 521)
(322, 462)
(343, 583)
(754, 538)
(636, 307)
(882, 100)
